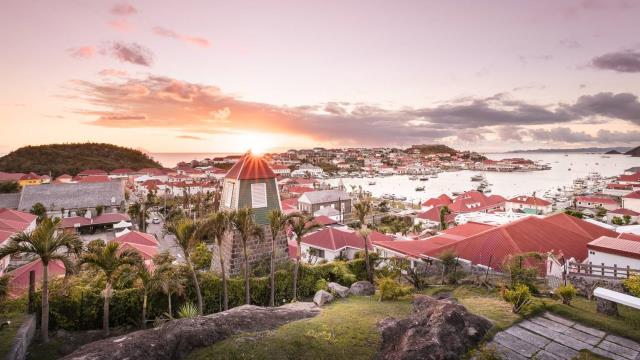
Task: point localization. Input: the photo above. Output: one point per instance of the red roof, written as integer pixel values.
(611, 245)
(596, 199)
(633, 195)
(94, 179)
(300, 189)
(629, 236)
(529, 200)
(324, 220)
(630, 178)
(440, 200)
(147, 252)
(137, 237)
(91, 172)
(109, 218)
(465, 230)
(433, 214)
(620, 186)
(151, 171)
(250, 167)
(122, 171)
(472, 201)
(15, 215)
(579, 226)
(4, 176)
(30, 176)
(333, 239)
(623, 212)
(19, 283)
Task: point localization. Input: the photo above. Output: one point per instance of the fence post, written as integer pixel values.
(602, 270)
(615, 271)
(628, 272)
(590, 268)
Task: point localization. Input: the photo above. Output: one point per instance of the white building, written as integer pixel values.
(528, 204)
(617, 252)
(307, 169)
(632, 201)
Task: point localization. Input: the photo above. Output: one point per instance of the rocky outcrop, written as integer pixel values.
(362, 288)
(322, 297)
(437, 329)
(177, 338)
(585, 285)
(337, 289)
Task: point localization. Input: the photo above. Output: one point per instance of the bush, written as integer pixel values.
(519, 297)
(633, 285)
(566, 293)
(390, 289)
(321, 284)
(188, 310)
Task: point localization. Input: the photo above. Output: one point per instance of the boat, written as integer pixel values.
(477, 177)
(424, 178)
(372, 182)
(419, 188)
(434, 175)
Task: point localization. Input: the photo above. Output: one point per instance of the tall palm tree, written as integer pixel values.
(151, 279)
(277, 222)
(169, 282)
(362, 209)
(244, 223)
(47, 244)
(185, 231)
(215, 227)
(301, 226)
(110, 260)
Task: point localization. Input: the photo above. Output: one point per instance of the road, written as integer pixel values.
(165, 242)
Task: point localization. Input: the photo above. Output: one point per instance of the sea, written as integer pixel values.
(564, 169)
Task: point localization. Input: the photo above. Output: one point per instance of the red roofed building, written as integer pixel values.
(8, 177)
(289, 206)
(438, 201)
(631, 179)
(93, 179)
(299, 190)
(63, 179)
(92, 172)
(629, 236)
(11, 223)
(431, 217)
(528, 204)
(324, 220)
(632, 201)
(137, 237)
(330, 244)
(81, 224)
(19, 278)
(621, 213)
(592, 202)
(281, 170)
(612, 251)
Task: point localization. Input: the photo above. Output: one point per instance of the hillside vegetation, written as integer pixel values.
(72, 158)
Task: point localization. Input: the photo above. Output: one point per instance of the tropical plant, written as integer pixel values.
(185, 231)
(169, 282)
(300, 226)
(216, 226)
(519, 297)
(150, 279)
(47, 244)
(633, 285)
(111, 261)
(277, 222)
(8, 187)
(187, 311)
(4, 286)
(201, 257)
(449, 261)
(444, 211)
(519, 272)
(38, 210)
(616, 220)
(390, 289)
(244, 223)
(566, 293)
(627, 219)
(362, 209)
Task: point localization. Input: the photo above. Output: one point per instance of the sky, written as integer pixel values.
(227, 76)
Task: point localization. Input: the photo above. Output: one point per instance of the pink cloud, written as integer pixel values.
(83, 52)
(124, 9)
(198, 41)
(131, 53)
(113, 72)
(121, 25)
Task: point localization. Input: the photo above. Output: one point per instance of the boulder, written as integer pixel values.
(177, 338)
(362, 288)
(322, 297)
(437, 329)
(335, 288)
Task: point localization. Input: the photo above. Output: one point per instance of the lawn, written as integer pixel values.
(8, 333)
(346, 329)
(584, 311)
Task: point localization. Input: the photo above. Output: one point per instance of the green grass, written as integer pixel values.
(627, 324)
(45, 351)
(488, 304)
(345, 329)
(588, 355)
(8, 333)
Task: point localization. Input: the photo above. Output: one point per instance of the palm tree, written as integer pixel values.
(444, 211)
(277, 222)
(215, 227)
(47, 244)
(110, 260)
(243, 222)
(150, 279)
(362, 209)
(185, 231)
(301, 226)
(169, 282)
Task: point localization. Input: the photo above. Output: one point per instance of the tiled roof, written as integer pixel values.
(137, 237)
(579, 226)
(596, 199)
(623, 247)
(324, 220)
(333, 239)
(629, 236)
(623, 212)
(19, 283)
(250, 167)
(472, 201)
(633, 195)
(72, 196)
(465, 230)
(21, 216)
(433, 214)
(147, 251)
(529, 200)
(416, 248)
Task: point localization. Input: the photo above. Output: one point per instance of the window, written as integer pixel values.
(258, 195)
(316, 252)
(228, 193)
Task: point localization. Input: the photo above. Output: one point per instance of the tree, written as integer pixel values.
(573, 213)
(138, 213)
(150, 279)
(169, 280)
(201, 257)
(277, 222)
(110, 260)
(216, 226)
(363, 209)
(186, 231)
(9, 187)
(38, 210)
(244, 223)
(444, 211)
(617, 220)
(300, 226)
(627, 219)
(600, 212)
(99, 210)
(46, 244)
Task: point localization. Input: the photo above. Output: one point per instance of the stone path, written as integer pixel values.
(552, 337)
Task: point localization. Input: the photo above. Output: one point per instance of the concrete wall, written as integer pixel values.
(23, 339)
(631, 204)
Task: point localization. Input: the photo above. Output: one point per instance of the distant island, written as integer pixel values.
(597, 150)
(635, 152)
(72, 158)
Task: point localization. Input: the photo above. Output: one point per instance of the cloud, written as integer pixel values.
(189, 137)
(566, 135)
(163, 102)
(624, 61)
(123, 9)
(570, 43)
(130, 52)
(113, 72)
(82, 52)
(121, 25)
(198, 41)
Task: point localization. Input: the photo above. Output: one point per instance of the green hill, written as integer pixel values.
(72, 158)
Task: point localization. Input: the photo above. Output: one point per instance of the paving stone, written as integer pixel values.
(624, 342)
(528, 336)
(607, 354)
(582, 336)
(590, 330)
(508, 353)
(560, 351)
(618, 349)
(549, 324)
(521, 347)
(572, 342)
(544, 355)
(559, 319)
(539, 329)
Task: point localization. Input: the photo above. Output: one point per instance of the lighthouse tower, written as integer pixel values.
(251, 183)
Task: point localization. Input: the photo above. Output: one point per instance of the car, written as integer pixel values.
(156, 220)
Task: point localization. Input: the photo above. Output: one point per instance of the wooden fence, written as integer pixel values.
(602, 271)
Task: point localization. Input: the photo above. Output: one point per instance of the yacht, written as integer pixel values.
(424, 178)
(419, 188)
(478, 177)
(372, 182)
(413, 177)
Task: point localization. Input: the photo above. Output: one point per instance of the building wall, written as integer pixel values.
(631, 204)
(312, 208)
(593, 205)
(511, 206)
(598, 257)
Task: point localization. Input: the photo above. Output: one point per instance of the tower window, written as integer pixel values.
(258, 195)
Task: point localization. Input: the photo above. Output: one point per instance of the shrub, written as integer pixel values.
(566, 293)
(519, 297)
(390, 289)
(633, 285)
(188, 310)
(321, 284)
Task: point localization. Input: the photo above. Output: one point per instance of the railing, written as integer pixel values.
(602, 271)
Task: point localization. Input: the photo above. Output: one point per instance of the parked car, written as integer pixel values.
(156, 220)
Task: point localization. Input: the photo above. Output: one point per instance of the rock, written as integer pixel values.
(322, 297)
(341, 291)
(437, 329)
(362, 288)
(177, 338)
(606, 307)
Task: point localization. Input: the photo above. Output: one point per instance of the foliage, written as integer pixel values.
(575, 213)
(4, 286)
(187, 310)
(632, 284)
(519, 297)
(449, 260)
(74, 157)
(600, 212)
(566, 293)
(321, 284)
(444, 211)
(627, 219)
(520, 272)
(9, 187)
(201, 257)
(38, 210)
(487, 352)
(394, 224)
(390, 289)
(617, 220)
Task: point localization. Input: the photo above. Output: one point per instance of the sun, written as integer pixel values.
(258, 143)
